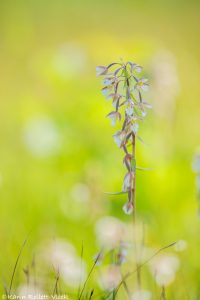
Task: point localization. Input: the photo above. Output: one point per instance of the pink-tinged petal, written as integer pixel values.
(138, 68)
(129, 108)
(109, 81)
(114, 116)
(128, 208)
(142, 84)
(101, 70)
(106, 90)
(145, 87)
(119, 137)
(128, 182)
(147, 105)
(127, 160)
(134, 128)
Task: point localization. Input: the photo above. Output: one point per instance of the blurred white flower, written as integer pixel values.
(110, 278)
(80, 192)
(141, 295)
(42, 137)
(110, 231)
(164, 269)
(63, 257)
(70, 60)
(29, 292)
(181, 246)
(166, 84)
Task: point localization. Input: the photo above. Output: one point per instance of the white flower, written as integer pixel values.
(101, 70)
(119, 137)
(128, 181)
(110, 278)
(144, 113)
(114, 117)
(29, 291)
(141, 295)
(164, 269)
(63, 257)
(142, 84)
(110, 231)
(42, 137)
(106, 90)
(181, 246)
(135, 67)
(128, 208)
(134, 128)
(138, 68)
(129, 108)
(115, 97)
(108, 81)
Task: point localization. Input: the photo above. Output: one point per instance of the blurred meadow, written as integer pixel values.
(57, 155)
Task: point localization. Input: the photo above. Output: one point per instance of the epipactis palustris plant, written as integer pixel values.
(123, 86)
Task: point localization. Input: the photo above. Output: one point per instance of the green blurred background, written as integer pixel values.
(57, 156)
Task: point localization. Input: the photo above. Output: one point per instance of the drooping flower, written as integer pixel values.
(142, 84)
(115, 97)
(106, 90)
(128, 181)
(119, 137)
(129, 108)
(101, 70)
(110, 232)
(134, 128)
(135, 67)
(109, 80)
(114, 116)
(128, 208)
